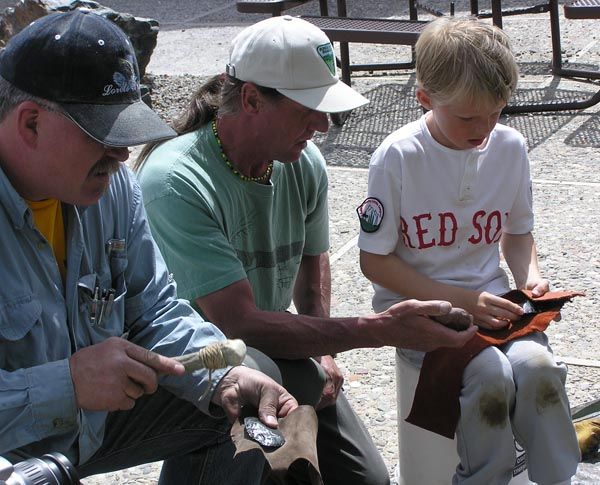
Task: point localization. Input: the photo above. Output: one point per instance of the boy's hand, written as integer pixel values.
(538, 286)
(493, 312)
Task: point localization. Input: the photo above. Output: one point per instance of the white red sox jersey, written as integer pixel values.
(443, 210)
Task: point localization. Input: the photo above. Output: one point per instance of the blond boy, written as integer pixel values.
(446, 194)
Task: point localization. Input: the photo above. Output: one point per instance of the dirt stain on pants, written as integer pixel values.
(546, 395)
(493, 408)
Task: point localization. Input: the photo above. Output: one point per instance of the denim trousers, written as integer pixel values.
(196, 448)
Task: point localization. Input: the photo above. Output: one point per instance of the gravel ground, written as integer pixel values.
(564, 152)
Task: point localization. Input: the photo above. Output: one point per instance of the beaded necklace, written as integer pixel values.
(261, 178)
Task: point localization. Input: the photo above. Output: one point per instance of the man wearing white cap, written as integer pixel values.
(238, 206)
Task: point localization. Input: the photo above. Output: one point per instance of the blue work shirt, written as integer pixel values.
(43, 321)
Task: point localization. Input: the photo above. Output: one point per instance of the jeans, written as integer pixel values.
(196, 448)
(162, 427)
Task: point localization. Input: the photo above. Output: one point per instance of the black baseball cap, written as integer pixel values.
(87, 65)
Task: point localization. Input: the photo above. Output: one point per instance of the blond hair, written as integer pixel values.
(465, 60)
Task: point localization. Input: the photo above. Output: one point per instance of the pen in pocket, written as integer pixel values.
(102, 304)
(94, 306)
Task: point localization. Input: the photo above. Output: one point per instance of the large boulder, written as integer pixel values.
(142, 32)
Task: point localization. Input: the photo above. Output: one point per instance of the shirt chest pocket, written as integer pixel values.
(18, 317)
(20, 331)
(101, 298)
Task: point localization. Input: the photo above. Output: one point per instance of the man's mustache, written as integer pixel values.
(105, 166)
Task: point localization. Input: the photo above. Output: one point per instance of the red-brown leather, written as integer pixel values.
(436, 404)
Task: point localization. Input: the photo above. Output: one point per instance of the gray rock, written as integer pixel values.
(142, 32)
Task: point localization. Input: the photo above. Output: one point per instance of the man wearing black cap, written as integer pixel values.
(81, 271)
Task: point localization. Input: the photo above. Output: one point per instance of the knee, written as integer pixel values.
(494, 406)
(541, 380)
(489, 392)
(490, 369)
(303, 378)
(539, 367)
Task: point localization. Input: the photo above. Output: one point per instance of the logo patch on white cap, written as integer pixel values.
(326, 53)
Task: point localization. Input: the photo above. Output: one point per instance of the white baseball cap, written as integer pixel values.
(295, 58)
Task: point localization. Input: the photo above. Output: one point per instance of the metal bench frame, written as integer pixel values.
(579, 9)
(344, 29)
(275, 7)
(365, 30)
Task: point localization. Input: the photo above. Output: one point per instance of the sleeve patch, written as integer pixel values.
(370, 214)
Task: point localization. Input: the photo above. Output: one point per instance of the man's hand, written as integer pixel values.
(333, 384)
(406, 325)
(242, 386)
(111, 375)
(457, 319)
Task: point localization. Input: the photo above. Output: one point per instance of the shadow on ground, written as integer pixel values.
(392, 105)
(587, 135)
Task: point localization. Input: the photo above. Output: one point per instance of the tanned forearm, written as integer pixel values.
(521, 257)
(312, 291)
(289, 336)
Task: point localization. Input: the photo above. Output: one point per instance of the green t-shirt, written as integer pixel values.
(215, 229)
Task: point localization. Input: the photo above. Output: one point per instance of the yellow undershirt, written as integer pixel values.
(49, 220)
